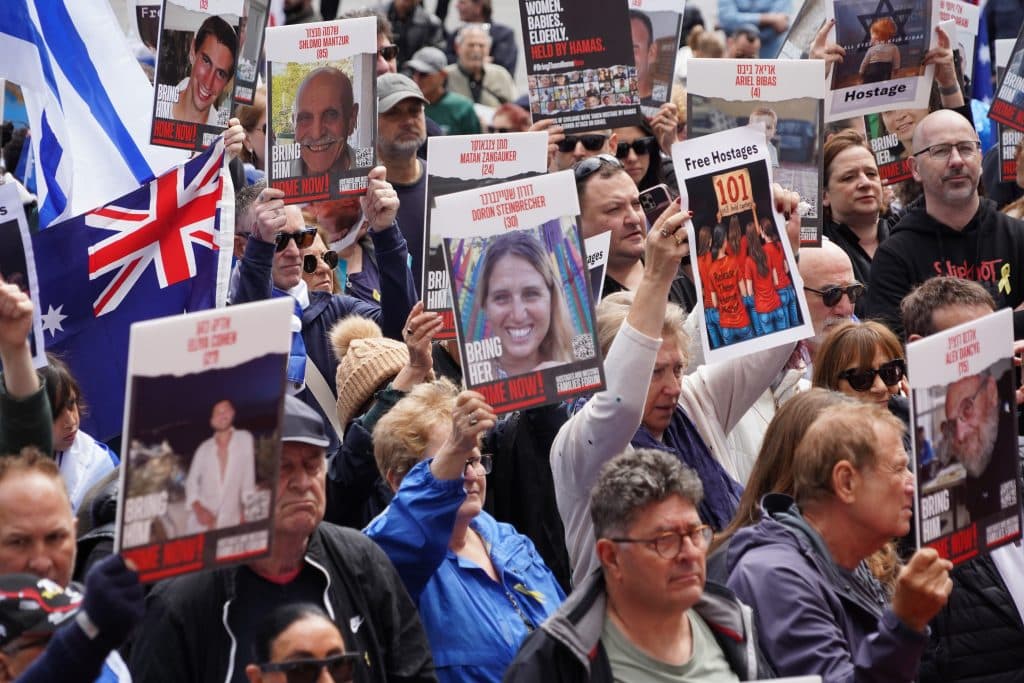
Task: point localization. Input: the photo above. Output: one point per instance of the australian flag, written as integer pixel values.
(151, 253)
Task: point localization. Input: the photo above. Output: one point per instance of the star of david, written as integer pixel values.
(885, 9)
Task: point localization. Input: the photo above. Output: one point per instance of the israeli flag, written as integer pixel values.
(88, 101)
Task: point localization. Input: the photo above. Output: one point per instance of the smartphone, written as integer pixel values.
(654, 201)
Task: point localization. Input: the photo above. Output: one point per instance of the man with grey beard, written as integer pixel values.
(831, 289)
(401, 129)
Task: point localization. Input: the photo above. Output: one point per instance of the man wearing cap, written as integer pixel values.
(201, 627)
(401, 129)
(453, 112)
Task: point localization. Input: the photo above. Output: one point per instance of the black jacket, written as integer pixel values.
(184, 637)
(978, 636)
(846, 239)
(418, 29)
(989, 250)
(567, 647)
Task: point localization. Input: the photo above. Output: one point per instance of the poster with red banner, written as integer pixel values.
(524, 313)
(964, 428)
(201, 446)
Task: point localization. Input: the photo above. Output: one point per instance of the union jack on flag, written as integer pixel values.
(149, 254)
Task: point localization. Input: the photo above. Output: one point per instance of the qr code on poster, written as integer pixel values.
(1007, 494)
(583, 347)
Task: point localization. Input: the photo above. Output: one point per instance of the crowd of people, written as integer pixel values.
(740, 520)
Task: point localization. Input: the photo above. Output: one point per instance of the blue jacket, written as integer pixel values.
(812, 616)
(475, 625)
(734, 13)
(398, 296)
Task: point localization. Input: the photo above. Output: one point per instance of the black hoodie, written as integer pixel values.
(988, 250)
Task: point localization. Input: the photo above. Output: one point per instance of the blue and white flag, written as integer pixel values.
(88, 103)
(154, 252)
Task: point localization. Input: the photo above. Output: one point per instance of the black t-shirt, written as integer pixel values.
(410, 220)
(256, 598)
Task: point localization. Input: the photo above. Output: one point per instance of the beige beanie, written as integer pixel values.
(367, 359)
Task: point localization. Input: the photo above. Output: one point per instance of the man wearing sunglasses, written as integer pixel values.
(953, 232)
(272, 265)
(649, 614)
(831, 289)
(576, 147)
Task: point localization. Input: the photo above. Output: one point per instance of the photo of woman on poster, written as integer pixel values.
(522, 300)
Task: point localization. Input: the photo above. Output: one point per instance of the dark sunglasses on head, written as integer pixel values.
(833, 294)
(861, 380)
(303, 239)
(590, 165)
(340, 667)
(640, 146)
(309, 261)
(591, 142)
(388, 52)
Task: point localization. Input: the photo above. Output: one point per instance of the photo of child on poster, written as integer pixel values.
(195, 69)
(587, 43)
(884, 67)
(963, 403)
(322, 109)
(743, 266)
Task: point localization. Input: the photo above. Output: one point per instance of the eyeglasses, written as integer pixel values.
(309, 262)
(669, 544)
(499, 129)
(592, 142)
(833, 294)
(303, 239)
(640, 146)
(861, 380)
(590, 165)
(966, 410)
(967, 149)
(388, 52)
(484, 462)
(340, 667)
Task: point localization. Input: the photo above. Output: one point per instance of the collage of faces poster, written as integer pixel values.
(885, 42)
(17, 264)
(579, 63)
(1008, 105)
(520, 285)
(204, 400)
(195, 70)
(654, 26)
(743, 265)
(964, 426)
(785, 98)
(464, 162)
(322, 105)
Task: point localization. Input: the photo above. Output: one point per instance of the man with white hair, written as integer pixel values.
(472, 75)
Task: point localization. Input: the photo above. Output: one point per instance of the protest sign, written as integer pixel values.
(597, 261)
(889, 136)
(1007, 137)
(580, 68)
(202, 446)
(147, 23)
(885, 46)
(250, 34)
(742, 264)
(964, 424)
(520, 285)
(785, 97)
(463, 162)
(1008, 105)
(17, 265)
(808, 21)
(322, 106)
(655, 26)
(195, 69)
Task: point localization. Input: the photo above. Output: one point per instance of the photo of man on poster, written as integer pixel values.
(645, 52)
(324, 115)
(211, 60)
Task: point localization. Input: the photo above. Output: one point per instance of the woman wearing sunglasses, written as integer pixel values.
(298, 643)
(864, 361)
(318, 263)
(480, 585)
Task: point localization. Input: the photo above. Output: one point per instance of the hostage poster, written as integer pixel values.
(322, 108)
(1008, 105)
(885, 42)
(654, 27)
(742, 264)
(195, 71)
(964, 426)
(520, 284)
(782, 97)
(17, 263)
(579, 63)
(464, 162)
(201, 448)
